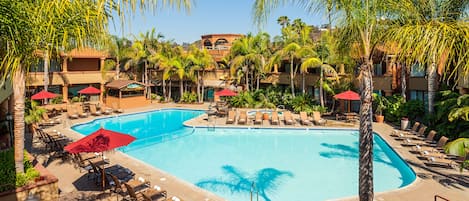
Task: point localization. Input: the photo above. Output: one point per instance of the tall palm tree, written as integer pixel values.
(283, 21)
(434, 34)
(201, 60)
(32, 25)
(118, 48)
(358, 27)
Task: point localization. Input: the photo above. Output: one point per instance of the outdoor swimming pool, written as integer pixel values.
(284, 164)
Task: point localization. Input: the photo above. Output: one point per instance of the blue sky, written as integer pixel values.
(209, 17)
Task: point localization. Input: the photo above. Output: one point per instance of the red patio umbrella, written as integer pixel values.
(348, 95)
(100, 141)
(89, 90)
(43, 95)
(226, 92)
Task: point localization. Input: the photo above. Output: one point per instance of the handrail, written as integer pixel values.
(437, 196)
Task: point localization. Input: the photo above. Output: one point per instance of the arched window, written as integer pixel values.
(207, 44)
(221, 43)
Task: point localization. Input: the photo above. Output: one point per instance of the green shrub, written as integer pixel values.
(8, 177)
(56, 100)
(242, 100)
(302, 103)
(189, 97)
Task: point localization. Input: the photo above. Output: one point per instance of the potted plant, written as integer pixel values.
(380, 103)
(404, 123)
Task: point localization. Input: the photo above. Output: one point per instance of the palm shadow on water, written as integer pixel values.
(236, 181)
(351, 152)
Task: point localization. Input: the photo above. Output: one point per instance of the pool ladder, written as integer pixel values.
(211, 123)
(254, 190)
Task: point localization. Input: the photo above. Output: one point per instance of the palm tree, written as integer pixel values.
(283, 21)
(314, 62)
(359, 27)
(201, 60)
(32, 25)
(434, 34)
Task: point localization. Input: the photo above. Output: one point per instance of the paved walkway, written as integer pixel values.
(74, 185)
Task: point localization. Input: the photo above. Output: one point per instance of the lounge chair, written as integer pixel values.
(104, 109)
(287, 116)
(243, 117)
(115, 108)
(71, 112)
(440, 162)
(154, 193)
(258, 118)
(304, 119)
(420, 141)
(413, 135)
(94, 111)
(317, 120)
(149, 192)
(46, 118)
(80, 111)
(414, 127)
(274, 119)
(174, 198)
(438, 147)
(230, 119)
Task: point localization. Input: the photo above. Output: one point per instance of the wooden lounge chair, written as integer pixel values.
(413, 135)
(440, 162)
(438, 147)
(174, 198)
(46, 118)
(258, 118)
(304, 119)
(274, 119)
(154, 193)
(414, 127)
(230, 119)
(80, 111)
(317, 120)
(115, 108)
(94, 111)
(71, 112)
(287, 116)
(104, 109)
(243, 117)
(420, 141)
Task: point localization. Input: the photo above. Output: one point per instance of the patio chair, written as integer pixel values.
(117, 186)
(115, 108)
(71, 112)
(414, 127)
(154, 193)
(174, 198)
(413, 135)
(288, 118)
(440, 162)
(230, 119)
(243, 117)
(104, 109)
(438, 147)
(317, 120)
(94, 111)
(48, 120)
(80, 111)
(420, 141)
(304, 119)
(258, 118)
(274, 119)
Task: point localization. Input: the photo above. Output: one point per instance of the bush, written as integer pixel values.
(189, 97)
(56, 100)
(8, 177)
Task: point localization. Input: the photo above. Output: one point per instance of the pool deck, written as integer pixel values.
(431, 181)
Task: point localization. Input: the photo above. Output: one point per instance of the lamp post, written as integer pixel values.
(9, 118)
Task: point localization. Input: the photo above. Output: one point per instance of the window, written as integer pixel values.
(378, 68)
(419, 95)
(417, 70)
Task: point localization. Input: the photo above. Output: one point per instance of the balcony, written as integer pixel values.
(71, 77)
(382, 83)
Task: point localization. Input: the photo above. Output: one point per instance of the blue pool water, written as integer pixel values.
(284, 164)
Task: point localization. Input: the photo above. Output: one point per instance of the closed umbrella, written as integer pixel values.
(100, 141)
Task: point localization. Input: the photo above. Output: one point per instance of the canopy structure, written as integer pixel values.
(348, 95)
(226, 92)
(89, 90)
(43, 95)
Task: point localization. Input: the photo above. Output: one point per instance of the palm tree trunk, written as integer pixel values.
(46, 72)
(258, 80)
(366, 134)
(164, 90)
(198, 87)
(247, 79)
(169, 89)
(292, 84)
(321, 87)
(181, 87)
(117, 68)
(403, 82)
(202, 85)
(432, 82)
(18, 94)
(303, 83)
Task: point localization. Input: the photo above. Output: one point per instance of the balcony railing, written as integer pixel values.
(71, 77)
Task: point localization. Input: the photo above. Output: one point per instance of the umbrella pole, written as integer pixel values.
(103, 172)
